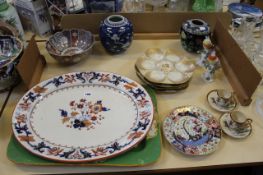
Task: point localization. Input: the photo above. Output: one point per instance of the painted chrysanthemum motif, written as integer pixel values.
(83, 114)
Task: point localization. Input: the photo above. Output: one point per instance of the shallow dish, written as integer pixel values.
(70, 46)
(91, 116)
(231, 128)
(192, 130)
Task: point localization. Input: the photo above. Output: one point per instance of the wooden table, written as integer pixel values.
(231, 152)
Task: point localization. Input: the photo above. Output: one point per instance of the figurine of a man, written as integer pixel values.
(208, 60)
(208, 49)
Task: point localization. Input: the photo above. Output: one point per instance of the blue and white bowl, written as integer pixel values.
(10, 51)
(241, 10)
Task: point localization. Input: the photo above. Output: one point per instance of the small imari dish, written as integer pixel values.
(221, 104)
(192, 130)
(83, 116)
(233, 129)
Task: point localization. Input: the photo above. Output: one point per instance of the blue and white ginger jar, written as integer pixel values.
(193, 33)
(116, 34)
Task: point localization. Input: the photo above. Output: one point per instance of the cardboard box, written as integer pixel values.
(34, 16)
(240, 72)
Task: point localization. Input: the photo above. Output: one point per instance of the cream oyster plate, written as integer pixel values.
(166, 67)
(192, 130)
(83, 116)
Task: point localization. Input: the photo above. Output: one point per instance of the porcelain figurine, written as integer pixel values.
(211, 65)
(208, 49)
(193, 32)
(116, 34)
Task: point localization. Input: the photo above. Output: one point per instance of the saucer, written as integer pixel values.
(211, 98)
(230, 128)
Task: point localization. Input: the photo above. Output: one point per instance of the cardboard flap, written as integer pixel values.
(241, 73)
(143, 22)
(31, 65)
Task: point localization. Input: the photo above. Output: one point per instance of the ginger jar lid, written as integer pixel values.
(196, 27)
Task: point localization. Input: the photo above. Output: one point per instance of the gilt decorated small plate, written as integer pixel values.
(83, 116)
(192, 130)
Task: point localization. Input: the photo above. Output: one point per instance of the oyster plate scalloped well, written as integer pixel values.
(192, 130)
(162, 88)
(164, 67)
(83, 116)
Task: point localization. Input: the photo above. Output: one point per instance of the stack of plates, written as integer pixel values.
(83, 116)
(164, 71)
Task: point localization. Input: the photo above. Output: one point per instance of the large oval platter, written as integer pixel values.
(83, 116)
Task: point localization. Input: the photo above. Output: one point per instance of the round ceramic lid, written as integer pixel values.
(196, 27)
(244, 10)
(83, 116)
(192, 130)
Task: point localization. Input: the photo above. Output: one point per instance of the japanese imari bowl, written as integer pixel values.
(70, 46)
(10, 51)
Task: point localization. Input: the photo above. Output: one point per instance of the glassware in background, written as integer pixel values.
(139, 6)
(219, 5)
(134, 6)
(204, 5)
(157, 4)
(178, 5)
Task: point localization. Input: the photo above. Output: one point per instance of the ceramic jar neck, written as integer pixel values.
(116, 21)
(196, 26)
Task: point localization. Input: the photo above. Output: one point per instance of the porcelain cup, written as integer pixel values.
(225, 97)
(240, 119)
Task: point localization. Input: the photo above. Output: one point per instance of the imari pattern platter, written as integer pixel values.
(83, 116)
(192, 130)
